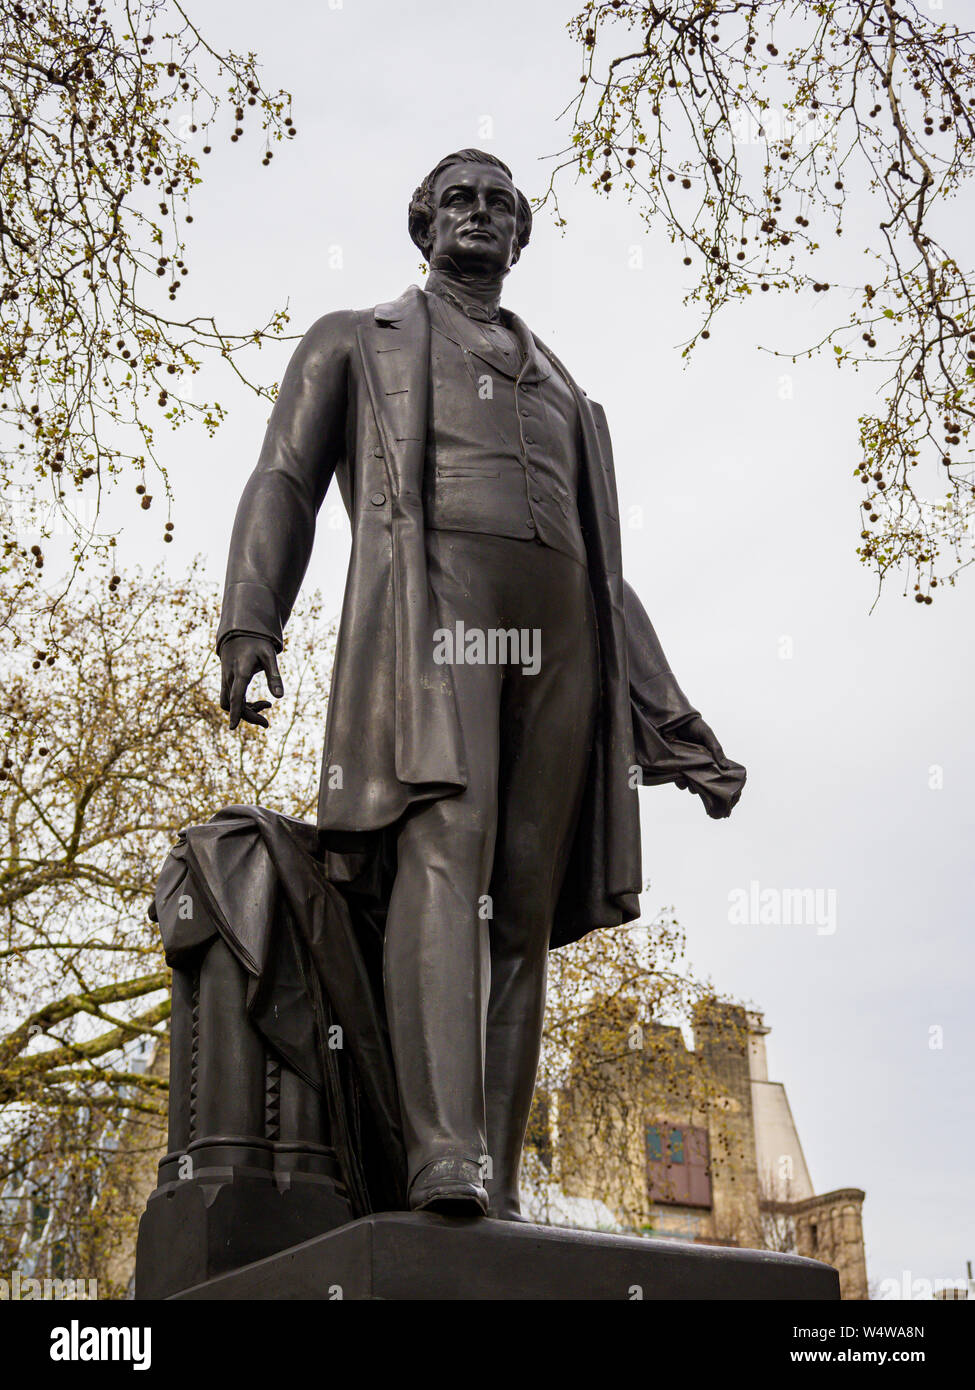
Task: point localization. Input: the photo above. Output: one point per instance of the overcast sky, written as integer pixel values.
(740, 526)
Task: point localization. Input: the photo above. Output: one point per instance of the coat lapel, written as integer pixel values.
(395, 348)
(538, 366)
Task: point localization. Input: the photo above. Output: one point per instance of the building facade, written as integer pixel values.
(697, 1143)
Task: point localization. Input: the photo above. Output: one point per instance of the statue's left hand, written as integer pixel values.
(697, 731)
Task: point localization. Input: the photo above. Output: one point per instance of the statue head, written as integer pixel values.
(467, 213)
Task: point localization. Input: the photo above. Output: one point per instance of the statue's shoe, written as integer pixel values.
(504, 1203)
(507, 1214)
(450, 1187)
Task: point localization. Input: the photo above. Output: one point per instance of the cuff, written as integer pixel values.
(252, 608)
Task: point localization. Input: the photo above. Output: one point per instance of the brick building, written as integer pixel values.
(695, 1143)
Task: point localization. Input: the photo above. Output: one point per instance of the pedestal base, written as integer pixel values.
(410, 1256)
(195, 1230)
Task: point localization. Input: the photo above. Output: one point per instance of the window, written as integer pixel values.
(678, 1165)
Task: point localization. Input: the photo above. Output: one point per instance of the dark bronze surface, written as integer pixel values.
(399, 1256)
(480, 772)
(474, 811)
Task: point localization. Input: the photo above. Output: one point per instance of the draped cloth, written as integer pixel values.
(312, 952)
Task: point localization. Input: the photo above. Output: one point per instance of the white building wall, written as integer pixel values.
(782, 1171)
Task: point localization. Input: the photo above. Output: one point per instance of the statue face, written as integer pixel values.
(475, 221)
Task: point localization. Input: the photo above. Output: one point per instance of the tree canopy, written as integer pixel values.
(106, 754)
(749, 131)
(108, 111)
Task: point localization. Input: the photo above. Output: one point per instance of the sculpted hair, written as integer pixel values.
(422, 206)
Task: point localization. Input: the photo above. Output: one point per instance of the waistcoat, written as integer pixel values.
(503, 435)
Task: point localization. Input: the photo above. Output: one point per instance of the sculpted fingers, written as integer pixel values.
(242, 655)
(237, 689)
(270, 664)
(251, 713)
(239, 680)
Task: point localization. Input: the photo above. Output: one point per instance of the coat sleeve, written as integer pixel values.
(659, 707)
(653, 684)
(275, 525)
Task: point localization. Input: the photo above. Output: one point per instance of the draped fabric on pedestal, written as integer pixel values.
(313, 951)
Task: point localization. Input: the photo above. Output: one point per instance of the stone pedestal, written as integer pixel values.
(250, 1169)
(198, 1229)
(415, 1256)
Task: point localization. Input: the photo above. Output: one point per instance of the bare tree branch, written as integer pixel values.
(742, 128)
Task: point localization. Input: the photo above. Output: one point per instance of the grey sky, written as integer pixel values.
(746, 538)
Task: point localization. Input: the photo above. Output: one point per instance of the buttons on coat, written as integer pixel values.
(378, 498)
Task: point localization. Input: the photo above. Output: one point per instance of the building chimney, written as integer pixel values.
(757, 1057)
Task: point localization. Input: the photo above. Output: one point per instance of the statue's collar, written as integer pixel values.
(477, 300)
(395, 312)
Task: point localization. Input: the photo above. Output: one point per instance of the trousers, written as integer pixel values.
(478, 874)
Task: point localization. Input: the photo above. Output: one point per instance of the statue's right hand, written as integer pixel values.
(241, 657)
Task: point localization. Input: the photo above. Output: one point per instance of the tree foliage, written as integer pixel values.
(105, 754)
(752, 131)
(105, 107)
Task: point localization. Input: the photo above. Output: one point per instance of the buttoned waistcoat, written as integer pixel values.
(503, 436)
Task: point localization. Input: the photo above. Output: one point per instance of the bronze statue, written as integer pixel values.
(498, 692)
